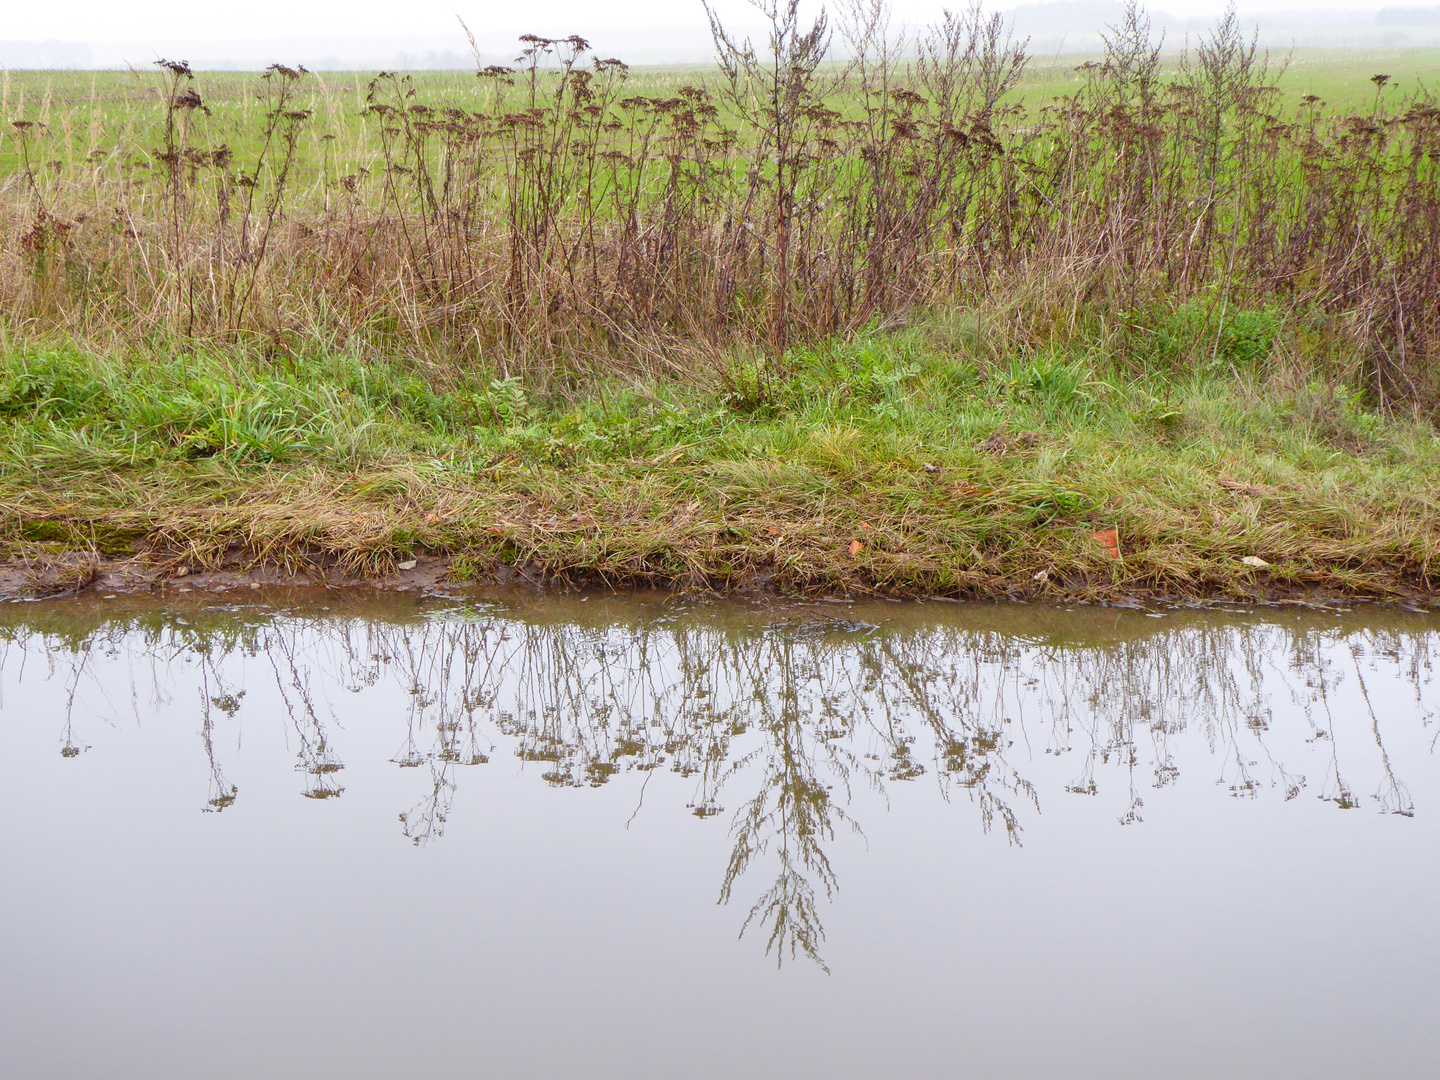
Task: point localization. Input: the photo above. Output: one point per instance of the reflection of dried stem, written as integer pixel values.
(1393, 796)
(70, 750)
(317, 760)
(1334, 788)
(222, 792)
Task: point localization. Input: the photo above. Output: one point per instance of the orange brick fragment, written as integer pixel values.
(1110, 539)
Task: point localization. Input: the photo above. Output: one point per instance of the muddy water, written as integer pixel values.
(642, 838)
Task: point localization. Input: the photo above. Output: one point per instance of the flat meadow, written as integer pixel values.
(937, 317)
(90, 111)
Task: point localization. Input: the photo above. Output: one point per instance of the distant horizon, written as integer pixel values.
(1063, 26)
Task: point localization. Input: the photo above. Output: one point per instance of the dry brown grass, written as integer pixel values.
(52, 575)
(997, 527)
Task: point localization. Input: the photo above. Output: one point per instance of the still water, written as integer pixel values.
(605, 837)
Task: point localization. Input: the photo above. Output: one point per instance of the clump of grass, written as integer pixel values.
(65, 574)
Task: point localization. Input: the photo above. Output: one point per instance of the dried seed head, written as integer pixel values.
(178, 68)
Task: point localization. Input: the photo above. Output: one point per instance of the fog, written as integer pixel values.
(427, 34)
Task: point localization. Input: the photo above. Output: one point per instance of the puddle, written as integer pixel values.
(645, 838)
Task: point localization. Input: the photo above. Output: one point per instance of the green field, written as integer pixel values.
(1339, 77)
(105, 111)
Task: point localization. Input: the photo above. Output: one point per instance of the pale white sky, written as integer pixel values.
(133, 20)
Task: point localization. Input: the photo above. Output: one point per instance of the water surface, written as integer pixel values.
(644, 838)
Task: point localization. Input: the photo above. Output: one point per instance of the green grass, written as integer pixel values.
(122, 113)
(1339, 77)
(956, 467)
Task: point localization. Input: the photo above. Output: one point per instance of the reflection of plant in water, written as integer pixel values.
(222, 793)
(318, 760)
(431, 660)
(69, 749)
(919, 678)
(787, 720)
(77, 662)
(793, 811)
(1393, 796)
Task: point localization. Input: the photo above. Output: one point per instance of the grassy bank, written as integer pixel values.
(934, 459)
(955, 324)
